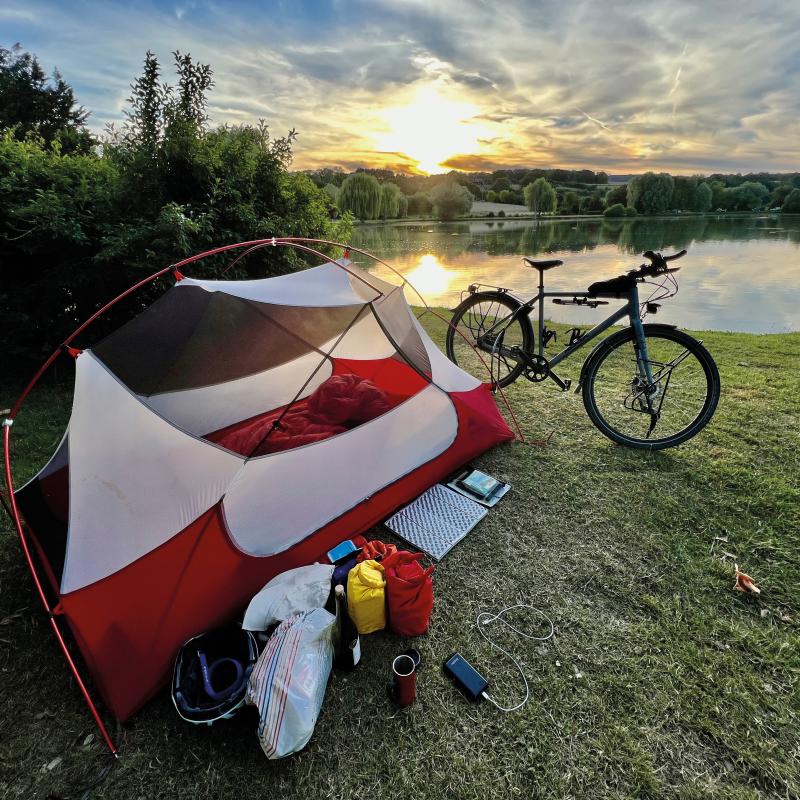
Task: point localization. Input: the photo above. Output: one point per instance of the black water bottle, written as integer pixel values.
(347, 647)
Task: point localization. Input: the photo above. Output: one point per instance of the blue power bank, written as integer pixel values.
(466, 678)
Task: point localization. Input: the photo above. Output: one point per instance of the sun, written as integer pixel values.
(430, 128)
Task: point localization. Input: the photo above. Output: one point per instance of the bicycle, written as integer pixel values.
(648, 386)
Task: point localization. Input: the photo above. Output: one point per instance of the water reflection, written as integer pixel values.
(741, 273)
(430, 277)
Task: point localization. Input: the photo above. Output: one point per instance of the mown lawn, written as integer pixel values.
(660, 681)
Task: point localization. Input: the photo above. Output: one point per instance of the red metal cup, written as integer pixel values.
(405, 678)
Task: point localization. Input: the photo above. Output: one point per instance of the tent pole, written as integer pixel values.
(42, 596)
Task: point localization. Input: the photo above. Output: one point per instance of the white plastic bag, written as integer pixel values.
(288, 682)
(291, 592)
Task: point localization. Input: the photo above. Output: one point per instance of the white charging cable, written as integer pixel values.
(486, 618)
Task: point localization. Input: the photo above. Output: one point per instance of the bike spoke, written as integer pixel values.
(487, 315)
(678, 391)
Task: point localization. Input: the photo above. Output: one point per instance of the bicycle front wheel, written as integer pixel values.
(675, 406)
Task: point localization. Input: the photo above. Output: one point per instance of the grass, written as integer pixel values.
(661, 682)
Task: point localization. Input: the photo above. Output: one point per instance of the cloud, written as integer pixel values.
(663, 84)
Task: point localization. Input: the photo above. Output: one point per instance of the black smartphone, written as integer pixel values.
(468, 680)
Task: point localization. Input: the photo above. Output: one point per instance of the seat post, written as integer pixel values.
(540, 343)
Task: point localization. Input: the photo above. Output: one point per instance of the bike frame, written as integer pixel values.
(629, 309)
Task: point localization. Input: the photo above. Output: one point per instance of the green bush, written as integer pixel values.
(617, 210)
(501, 213)
(76, 230)
(630, 211)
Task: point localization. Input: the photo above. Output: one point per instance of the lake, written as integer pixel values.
(740, 274)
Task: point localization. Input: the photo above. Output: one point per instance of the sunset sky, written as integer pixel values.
(429, 85)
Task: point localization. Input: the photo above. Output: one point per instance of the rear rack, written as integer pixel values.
(474, 288)
(580, 301)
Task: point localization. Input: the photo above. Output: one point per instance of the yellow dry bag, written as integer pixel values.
(366, 600)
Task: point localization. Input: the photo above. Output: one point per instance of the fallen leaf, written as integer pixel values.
(54, 763)
(89, 739)
(742, 582)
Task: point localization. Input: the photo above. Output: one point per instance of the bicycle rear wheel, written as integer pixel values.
(684, 392)
(470, 345)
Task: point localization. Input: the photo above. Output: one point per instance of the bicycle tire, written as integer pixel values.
(621, 339)
(453, 339)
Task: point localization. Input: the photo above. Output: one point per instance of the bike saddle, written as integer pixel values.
(554, 262)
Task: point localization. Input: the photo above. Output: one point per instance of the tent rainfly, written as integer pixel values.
(192, 470)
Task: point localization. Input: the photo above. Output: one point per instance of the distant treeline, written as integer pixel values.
(573, 192)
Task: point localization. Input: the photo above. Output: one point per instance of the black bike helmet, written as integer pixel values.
(211, 674)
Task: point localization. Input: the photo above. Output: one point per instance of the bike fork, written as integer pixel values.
(642, 356)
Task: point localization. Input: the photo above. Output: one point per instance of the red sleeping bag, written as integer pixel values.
(347, 400)
(409, 593)
(340, 403)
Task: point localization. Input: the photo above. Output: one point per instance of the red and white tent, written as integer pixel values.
(168, 504)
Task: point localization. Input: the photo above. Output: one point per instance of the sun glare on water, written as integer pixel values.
(429, 277)
(430, 129)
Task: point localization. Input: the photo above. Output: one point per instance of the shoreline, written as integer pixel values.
(576, 217)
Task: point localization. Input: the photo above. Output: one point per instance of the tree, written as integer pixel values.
(718, 190)
(617, 194)
(32, 103)
(779, 195)
(451, 200)
(791, 205)
(491, 196)
(332, 190)
(506, 196)
(617, 210)
(684, 193)
(78, 229)
(501, 183)
(419, 204)
(702, 197)
(570, 203)
(651, 193)
(360, 194)
(748, 196)
(540, 196)
(390, 201)
(593, 203)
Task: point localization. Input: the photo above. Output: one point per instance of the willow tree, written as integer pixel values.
(361, 194)
(390, 201)
(702, 197)
(540, 196)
